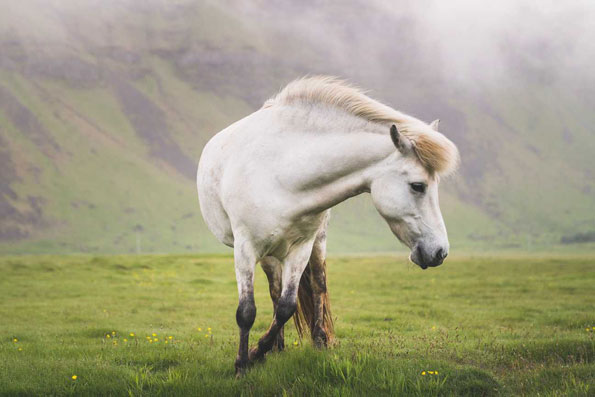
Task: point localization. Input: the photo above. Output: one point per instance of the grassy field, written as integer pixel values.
(133, 325)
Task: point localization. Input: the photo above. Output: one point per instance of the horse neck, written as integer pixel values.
(339, 160)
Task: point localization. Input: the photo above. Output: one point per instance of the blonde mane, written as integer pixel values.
(436, 152)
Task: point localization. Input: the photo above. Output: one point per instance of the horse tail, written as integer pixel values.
(304, 316)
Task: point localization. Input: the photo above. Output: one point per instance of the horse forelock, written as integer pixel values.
(436, 152)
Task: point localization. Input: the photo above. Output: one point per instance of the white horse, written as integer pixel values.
(267, 182)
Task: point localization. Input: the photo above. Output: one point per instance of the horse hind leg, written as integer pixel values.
(314, 310)
(273, 270)
(322, 324)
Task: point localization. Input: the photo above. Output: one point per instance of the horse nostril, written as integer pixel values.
(440, 255)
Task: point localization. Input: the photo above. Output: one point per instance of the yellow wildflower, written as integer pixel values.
(113, 332)
(108, 336)
(132, 334)
(209, 329)
(170, 337)
(125, 340)
(436, 372)
(206, 335)
(199, 329)
(423, 373)
(295, 343)
(20, 349)
(431, 372)
(74, 377)
(154, 334)
(155, 340)
(166, 342)
(15, 340)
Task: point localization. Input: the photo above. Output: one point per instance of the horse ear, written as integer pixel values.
(396, 137)
(434, 124)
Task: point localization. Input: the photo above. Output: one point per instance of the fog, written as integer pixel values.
(460, 41)
(481, 42)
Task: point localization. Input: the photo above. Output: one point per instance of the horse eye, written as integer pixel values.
(418, 187)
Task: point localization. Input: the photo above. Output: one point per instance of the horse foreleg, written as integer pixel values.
(294, 264)
(272, 268)
(245, 262)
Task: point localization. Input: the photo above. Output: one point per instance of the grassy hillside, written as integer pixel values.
(153, 325)
(104, 110)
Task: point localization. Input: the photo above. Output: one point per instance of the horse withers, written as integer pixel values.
(266, 185)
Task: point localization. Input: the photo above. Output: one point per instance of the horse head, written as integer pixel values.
(405, 191)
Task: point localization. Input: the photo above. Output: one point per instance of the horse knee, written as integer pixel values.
(285, 309)
(246, 313)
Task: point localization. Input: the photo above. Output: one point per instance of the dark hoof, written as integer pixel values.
(320, 339)
(242, 368)
(240, 372)
(254, 355)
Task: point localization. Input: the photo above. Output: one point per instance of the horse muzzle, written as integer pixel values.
(425, 258)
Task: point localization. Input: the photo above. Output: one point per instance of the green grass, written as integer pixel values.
(514, 325)
(526, 145)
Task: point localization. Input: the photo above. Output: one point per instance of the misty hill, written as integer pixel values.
(105, 107)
